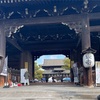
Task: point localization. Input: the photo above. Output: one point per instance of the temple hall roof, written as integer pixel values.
(53, 62)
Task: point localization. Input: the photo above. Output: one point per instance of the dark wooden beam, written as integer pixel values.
(95, 28)
(92, 29)
(48, 20)
(42, 20)
(51, 46)
(50, 42)
(94, 16)
(14, 43)
(47, 52)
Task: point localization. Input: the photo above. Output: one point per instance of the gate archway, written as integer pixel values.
(46, 26)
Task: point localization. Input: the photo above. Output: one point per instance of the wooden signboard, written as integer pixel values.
(97, 69)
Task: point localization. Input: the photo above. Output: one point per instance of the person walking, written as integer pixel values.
(75, 72)
(26, 75)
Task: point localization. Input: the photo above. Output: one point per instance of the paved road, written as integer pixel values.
(49, 92)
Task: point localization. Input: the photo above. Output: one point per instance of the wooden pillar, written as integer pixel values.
(26, 62)
(34, 67)
(2, 46)
(71, 63)
(86, 43)
(79, 56)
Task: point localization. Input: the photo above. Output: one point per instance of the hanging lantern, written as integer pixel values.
(88, 60)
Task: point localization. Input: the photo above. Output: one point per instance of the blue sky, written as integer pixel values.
(41, 59)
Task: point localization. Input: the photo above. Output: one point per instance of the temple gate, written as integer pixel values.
(31, 28)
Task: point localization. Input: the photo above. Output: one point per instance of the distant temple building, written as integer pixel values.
(53, 67)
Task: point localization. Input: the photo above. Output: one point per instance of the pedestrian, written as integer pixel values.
(81, 75)
(62, 79)
(26, 75)
(75, 72)
(53, 79)
(46, 78)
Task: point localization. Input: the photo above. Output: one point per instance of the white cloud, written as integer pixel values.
(53, 57)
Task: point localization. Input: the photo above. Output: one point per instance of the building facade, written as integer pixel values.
(53, 68)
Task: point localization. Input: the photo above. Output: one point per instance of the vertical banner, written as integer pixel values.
(22, 72)
(5, 67)
(97, 69)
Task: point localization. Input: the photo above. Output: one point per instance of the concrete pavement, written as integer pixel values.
(49, 92)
